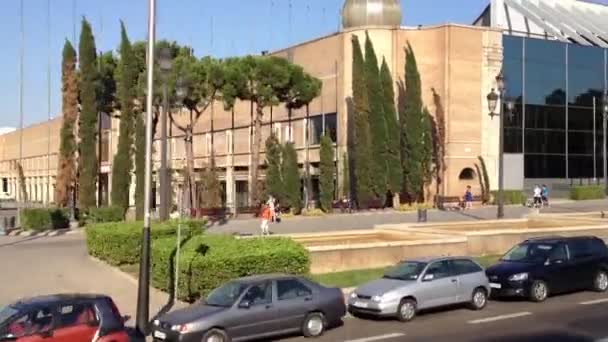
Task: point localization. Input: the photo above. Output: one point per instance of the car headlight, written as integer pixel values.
(519, 277)
(156, 322)
(180, 327)
(353, 295)
(377, 299)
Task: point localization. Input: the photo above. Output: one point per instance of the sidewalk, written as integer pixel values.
(367, 220)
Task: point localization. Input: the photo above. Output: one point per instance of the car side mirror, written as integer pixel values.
(8, 337)
(126, 318)
(428, 277)
(244, 304)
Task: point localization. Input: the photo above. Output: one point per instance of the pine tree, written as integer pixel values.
(123, 160)
(291, 177)
(274, 180)
(412, 128)
(66, 171)
(326, 169)
(377, 121)
(87, 176)
(393, 159)
(361, 135)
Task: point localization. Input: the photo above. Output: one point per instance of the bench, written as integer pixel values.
(342, 206)
(454, 202)
(255, 211)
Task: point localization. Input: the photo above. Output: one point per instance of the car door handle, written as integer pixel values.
(308, 299)
(454, 280)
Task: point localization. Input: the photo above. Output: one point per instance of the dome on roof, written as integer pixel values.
(357, 13)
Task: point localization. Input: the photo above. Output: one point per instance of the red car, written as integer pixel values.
(63, 318)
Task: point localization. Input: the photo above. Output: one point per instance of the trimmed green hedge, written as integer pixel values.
(207, 261)
(41, 219)
(511, 197)
(119, 243)
(579, 193)
(105, 215)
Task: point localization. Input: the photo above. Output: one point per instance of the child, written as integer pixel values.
(266, 216)
(545, 195)
(468, 198)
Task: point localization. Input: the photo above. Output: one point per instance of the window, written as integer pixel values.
(291, 288)
(465, 267)
(439, 269)
(331, 126)
(5, 185)
(315, 130)
(559, 253)
(259, 294)
(76, 314)
(580, 248)
(598, 247)
(467, 174)
(35, 322)
(405, 271)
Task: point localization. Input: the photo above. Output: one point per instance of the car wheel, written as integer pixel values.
(479, 299)
(216, 335)
(600, 282)
(313, 325)
(406, 311)
(538, 291)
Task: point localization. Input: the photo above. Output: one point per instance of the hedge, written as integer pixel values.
(511, 197)
(579, 193)
(105, 214)
(40, 219)
(207, 261)
(119, 243)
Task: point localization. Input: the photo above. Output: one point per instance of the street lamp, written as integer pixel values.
(493, 99)
(166, 64)
(604, 121)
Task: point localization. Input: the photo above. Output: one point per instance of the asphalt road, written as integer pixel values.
(573, 317)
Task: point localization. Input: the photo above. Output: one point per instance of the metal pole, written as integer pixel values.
(48, 100)
(164, 186)
(594, 142)
(21, 57)
(604, 118)
(179, 242)
(501, 196)
(143, 290)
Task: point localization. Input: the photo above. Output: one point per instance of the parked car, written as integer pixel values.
(63, 318)
(253, 308)
(539, 267)
(422, 284)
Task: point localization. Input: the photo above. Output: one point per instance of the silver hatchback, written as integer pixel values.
(422, 284)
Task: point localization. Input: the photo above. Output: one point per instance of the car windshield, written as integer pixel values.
(405, 271)
(226, 294)
(529, 252)
(6, 313)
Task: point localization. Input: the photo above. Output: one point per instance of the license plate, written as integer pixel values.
(360, 304)
(495, 286)
(160, 334)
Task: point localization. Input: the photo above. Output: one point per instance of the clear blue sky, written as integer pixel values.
(239, 27)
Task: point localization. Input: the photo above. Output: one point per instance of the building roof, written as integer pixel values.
(573, 21)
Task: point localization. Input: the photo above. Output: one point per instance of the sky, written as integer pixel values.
(219, 28)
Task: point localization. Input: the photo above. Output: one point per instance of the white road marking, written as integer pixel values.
(499, 318)
(597, 301)
(377, 338)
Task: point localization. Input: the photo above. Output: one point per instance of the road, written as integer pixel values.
(574, 317)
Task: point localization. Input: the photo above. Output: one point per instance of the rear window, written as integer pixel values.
(581, 248)
(598, 247)
(464, 266)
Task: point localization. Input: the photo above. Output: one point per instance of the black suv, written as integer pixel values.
(538, 267)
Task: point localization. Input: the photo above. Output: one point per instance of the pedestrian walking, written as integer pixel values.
(266, 217)
(270, 204)
(545, 195)
(468, 198)
(537, 193)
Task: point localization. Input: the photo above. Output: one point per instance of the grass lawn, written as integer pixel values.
(357, 277)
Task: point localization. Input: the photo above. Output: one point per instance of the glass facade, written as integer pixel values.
(557, 121)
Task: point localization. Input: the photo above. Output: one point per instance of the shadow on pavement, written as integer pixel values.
(28, 239)
(556, 336)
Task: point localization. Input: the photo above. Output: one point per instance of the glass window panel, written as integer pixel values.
(514, 119)
(544, 166)
(545, 51)
(513, 47)
(545, 117)
(513, 140)
(545, 72)
(315, 129)
(545, 141)
(580, 142)
(331, 126)
(580, 119)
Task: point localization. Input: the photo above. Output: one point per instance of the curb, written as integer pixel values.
(29, 233)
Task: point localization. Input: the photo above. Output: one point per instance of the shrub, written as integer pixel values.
(207, 261)
(105, 214)
(40, 219)
(414, 207)
(511, 197)
(579, 193)
(119, 243)
(313, 213)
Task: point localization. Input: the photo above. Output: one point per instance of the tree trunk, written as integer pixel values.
(191, 182)
(255, 155)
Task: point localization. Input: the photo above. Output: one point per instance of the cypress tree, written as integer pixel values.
(412, 128)
(66, 171)
(326, 169)
(361, 135)
(345, 176)
(140, 164)
(426, 161)
(211, 190)
(123, 161)
(87, 132)
(393, 159)
(291, 177)
(377, 121)
(274, 181)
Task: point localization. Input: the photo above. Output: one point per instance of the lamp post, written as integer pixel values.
(181, 93)
(604, 121)
(165, 67)
(493, 99)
